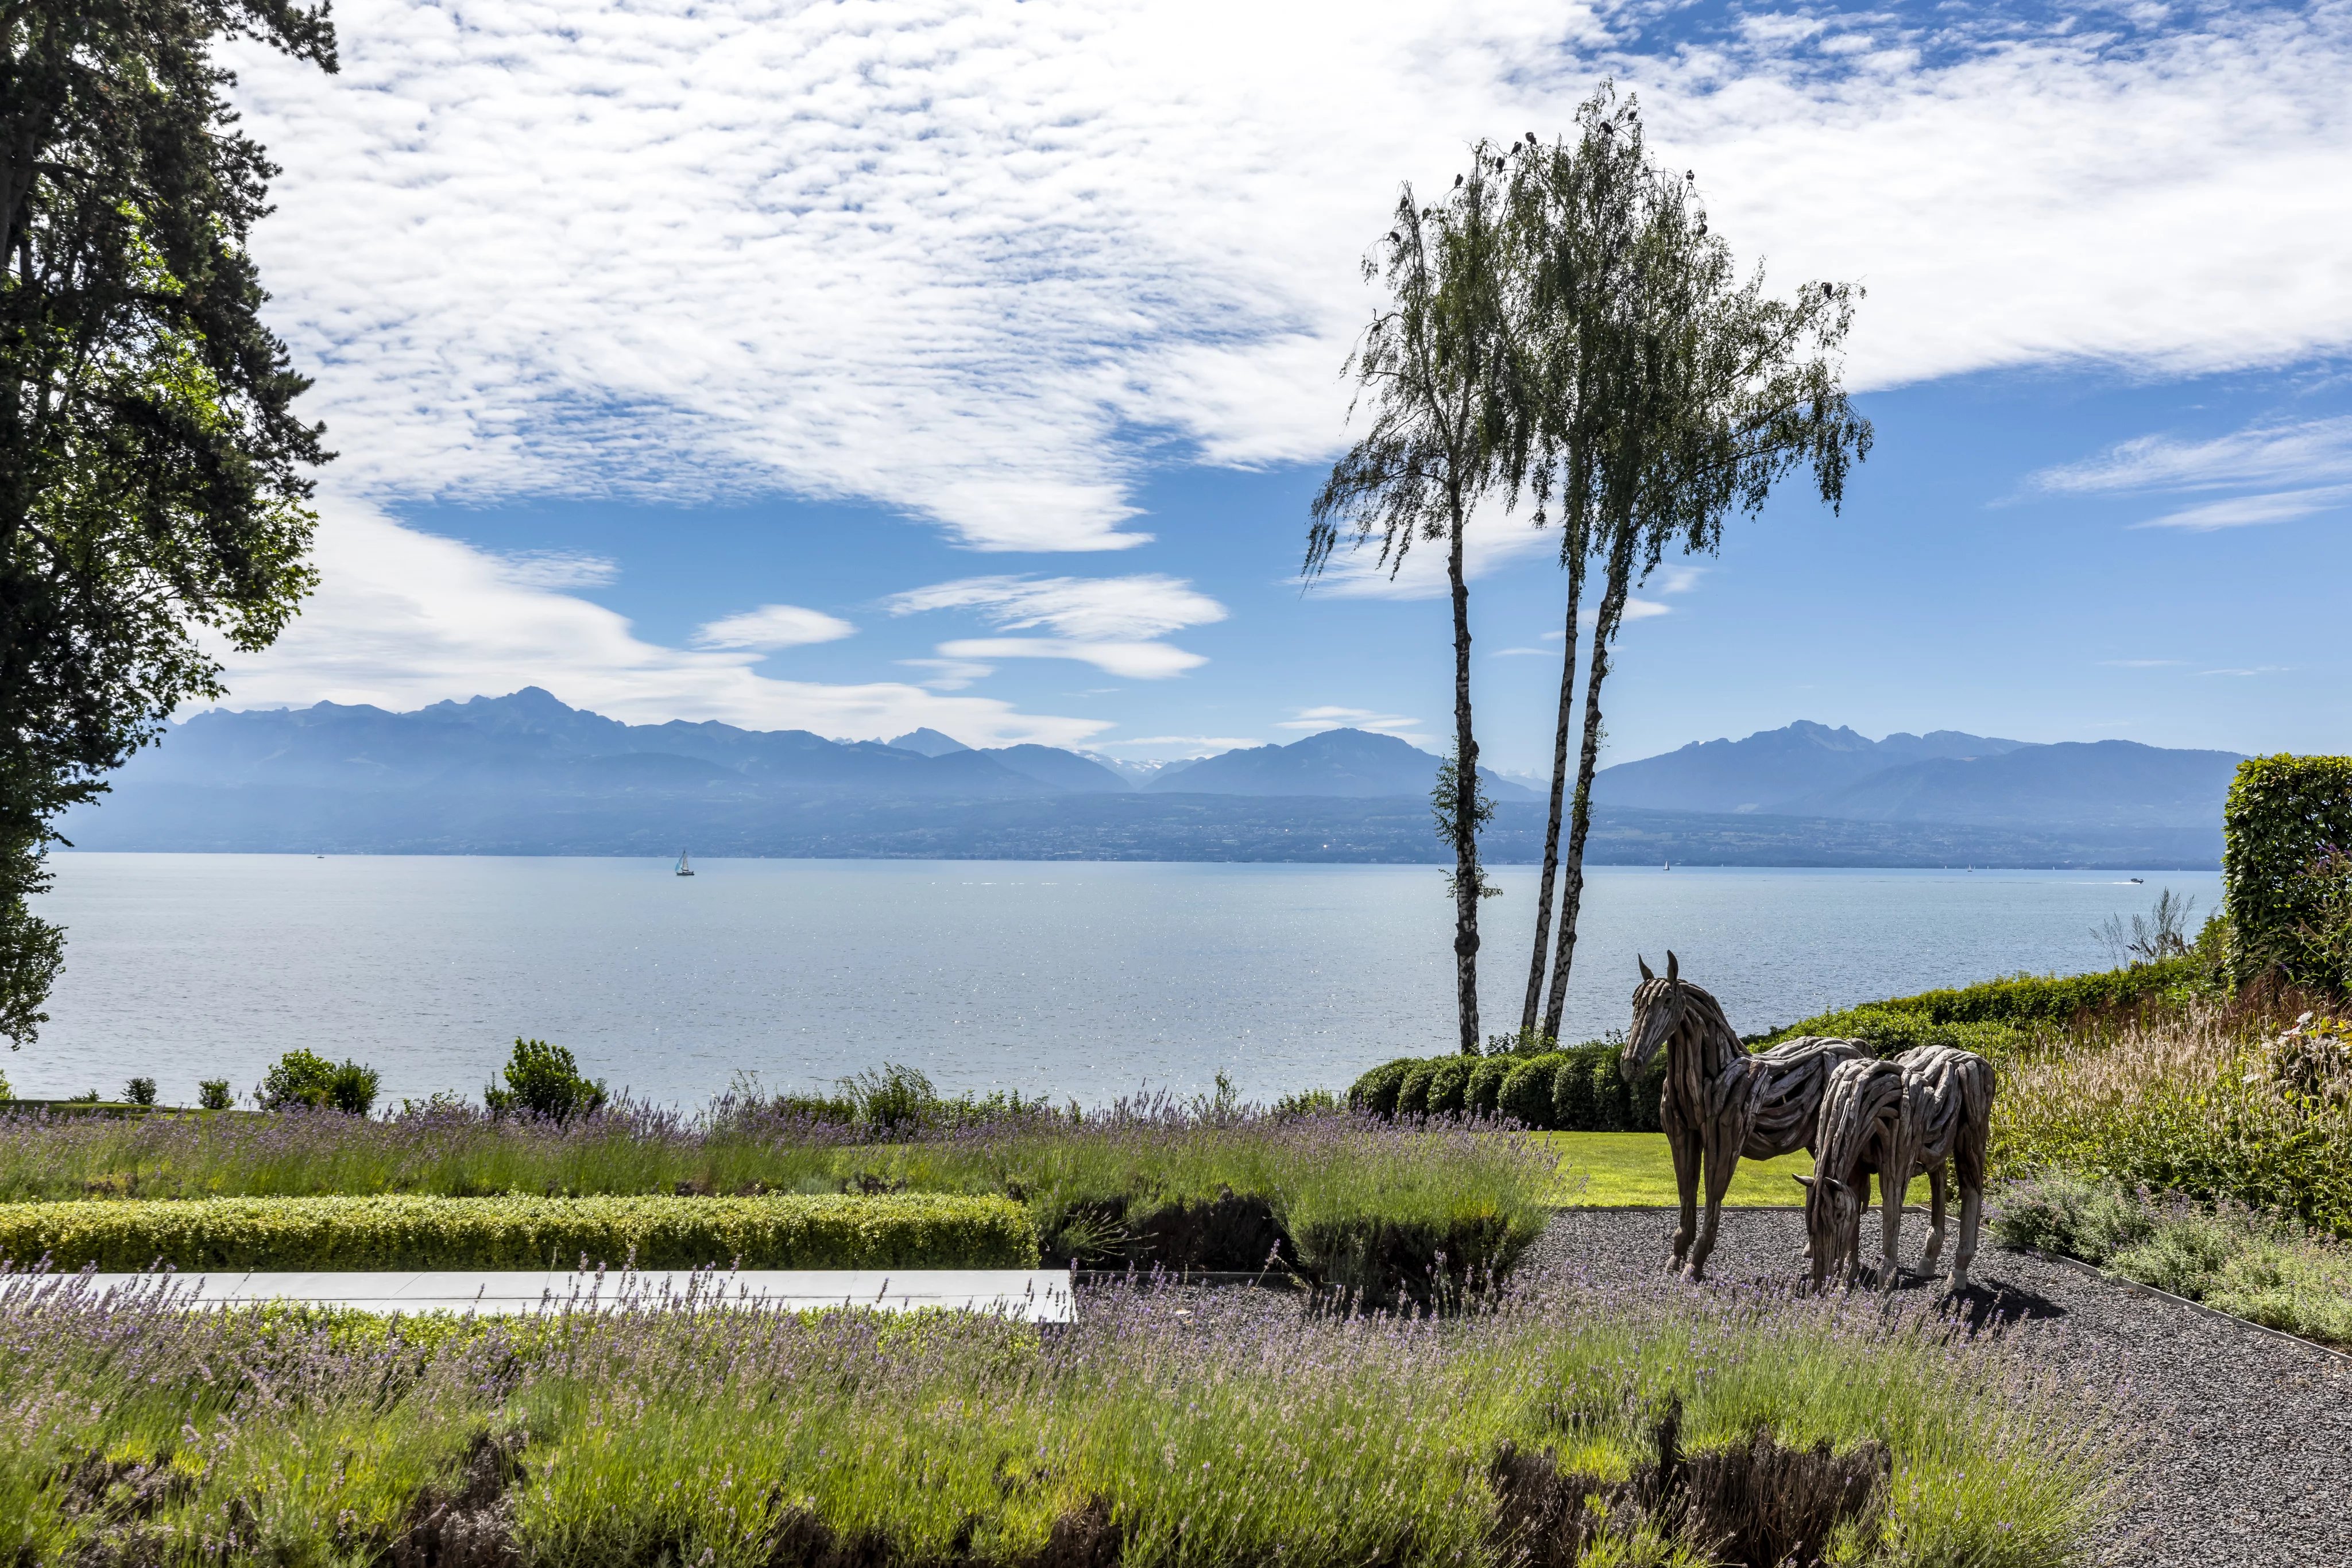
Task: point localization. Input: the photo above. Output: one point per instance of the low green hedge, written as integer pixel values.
(907, 1231)
(1995, 1015)
(1581, 1090)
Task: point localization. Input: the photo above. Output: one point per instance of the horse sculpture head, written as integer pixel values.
(1833, 1227)
(1660, 1006)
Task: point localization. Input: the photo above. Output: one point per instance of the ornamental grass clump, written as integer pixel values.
(1727, 1430)
(2210, 1106)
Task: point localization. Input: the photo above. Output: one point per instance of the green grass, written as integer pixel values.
(1634, 1169)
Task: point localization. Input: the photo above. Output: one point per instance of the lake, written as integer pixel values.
(1084, 979)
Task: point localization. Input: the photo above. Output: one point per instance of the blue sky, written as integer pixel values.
(972, 364)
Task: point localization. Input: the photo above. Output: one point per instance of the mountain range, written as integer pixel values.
(526, 773)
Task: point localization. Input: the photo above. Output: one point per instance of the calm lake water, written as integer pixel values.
(1072, 979)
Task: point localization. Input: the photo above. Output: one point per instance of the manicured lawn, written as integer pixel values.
(1632, 1168)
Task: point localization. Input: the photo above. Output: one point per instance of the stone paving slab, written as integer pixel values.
(1040, 1295)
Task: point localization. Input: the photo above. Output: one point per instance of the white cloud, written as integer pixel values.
(2245, 511)
(950, 675)
(2258, 456)
(945, 255)
(1323, 719)
(772, 626)
(557, 569)
(1111, 622)
(1130, 661)
(2255, 460)
(2141, 664)
(404, 618)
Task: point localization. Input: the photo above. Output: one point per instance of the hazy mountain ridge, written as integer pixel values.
(525, 774)
(1811, 770)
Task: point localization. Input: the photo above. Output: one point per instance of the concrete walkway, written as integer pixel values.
(1039, 1296)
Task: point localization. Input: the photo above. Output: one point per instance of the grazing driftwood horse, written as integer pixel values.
(1950, 1095)
(1864, 1128)
(1719, 1101)
(1929, 1111)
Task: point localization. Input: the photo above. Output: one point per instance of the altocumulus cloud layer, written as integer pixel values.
(952, 258)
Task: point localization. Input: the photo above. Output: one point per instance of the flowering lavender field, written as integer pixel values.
(1564, 1423)
(1356, 1202)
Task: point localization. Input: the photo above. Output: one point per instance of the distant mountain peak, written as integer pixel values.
(928, 742)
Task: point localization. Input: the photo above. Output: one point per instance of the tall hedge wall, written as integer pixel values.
(2284, 812)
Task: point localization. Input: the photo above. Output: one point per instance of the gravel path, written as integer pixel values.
(2248, 1454)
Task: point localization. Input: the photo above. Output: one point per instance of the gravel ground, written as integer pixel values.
(2247, 1440)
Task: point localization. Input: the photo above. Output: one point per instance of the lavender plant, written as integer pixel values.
(1144, 1436)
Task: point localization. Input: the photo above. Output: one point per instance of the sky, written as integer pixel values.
(857, 366)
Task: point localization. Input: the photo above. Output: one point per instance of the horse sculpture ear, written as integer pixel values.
(1671, 965)
(1645, 966)
(1805, 1181)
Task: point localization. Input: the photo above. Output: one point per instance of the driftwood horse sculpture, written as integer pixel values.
(1720, 1101)
(1929, 1111)
(1864, 1129)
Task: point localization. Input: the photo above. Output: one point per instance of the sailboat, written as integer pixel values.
(684, 869)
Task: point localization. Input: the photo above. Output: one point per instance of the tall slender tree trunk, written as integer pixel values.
(1551, 824)
(1466, 880)
(1604, 628)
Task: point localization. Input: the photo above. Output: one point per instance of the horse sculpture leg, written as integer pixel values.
(1722, 1159)
(1891, 1186)
(1938, 1185)
(1683, 1142)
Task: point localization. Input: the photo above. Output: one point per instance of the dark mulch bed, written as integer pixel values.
(2246, 1440)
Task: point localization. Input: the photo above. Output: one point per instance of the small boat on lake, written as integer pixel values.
(684, 869)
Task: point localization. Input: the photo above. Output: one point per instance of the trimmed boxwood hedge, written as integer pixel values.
(901, 1230)
(1995, 1015)
(1581, 1090)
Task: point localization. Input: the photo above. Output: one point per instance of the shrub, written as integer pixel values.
(791, 1231)
(2284, 817)
(305, 1078)
(1485, 1090)
(1377, 1090)
(212, 1095)
(2020, 1001)
(542, 1080)
(139, 1091)
(1413, 1094)
(1449, 1079)
(1526, 1093)
(2230, 1257)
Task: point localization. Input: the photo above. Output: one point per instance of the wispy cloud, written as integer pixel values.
(2251, 670)
(950, 675)
(947, 255)
(2246, 511)
(2257, 461)
(557, 569)
(2141, 664)
(1114, 623)
(773, 626)
(1130, 660)
(1323, 719)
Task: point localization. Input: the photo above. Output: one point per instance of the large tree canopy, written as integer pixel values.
(152, 469)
